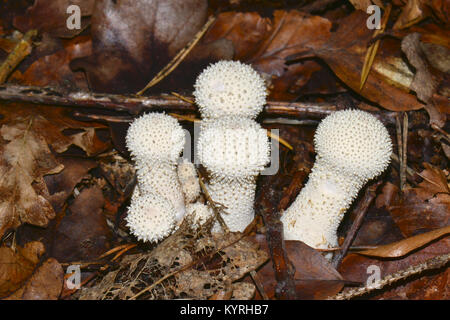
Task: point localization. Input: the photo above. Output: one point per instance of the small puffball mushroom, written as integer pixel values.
(234, 151)
(155, 141)
(155, 137)
(161, 178)
(150, 217)
(200, 213)
(352, 147)
(230, 88)
(187, 174)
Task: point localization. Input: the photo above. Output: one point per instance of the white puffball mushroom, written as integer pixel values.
(228, 88)
(150, 217)
(199, 212)
(352, 147)
(234, 151)
(155, 141)
(187, 174)
(161, 178)
(155, 136)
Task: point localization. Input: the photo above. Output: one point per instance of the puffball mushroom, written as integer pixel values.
(150, 216)
(187, 174)
(199, 212)
(352, 147)
(155, 141)
(234, 151)
(228, 88)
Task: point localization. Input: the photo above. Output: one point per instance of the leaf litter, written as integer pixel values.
(65, 184)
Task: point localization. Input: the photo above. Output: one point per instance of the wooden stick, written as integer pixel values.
(133, 105)
(20, 51)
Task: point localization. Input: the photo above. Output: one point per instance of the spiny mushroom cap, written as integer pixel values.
(150, 217)
(354, 142)
(233, 147)
(155, 136)
(230, 88)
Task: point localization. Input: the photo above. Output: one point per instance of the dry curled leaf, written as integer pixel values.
(51, 16)
(16, 266)
(53, 69)
(314, 276)
(359, 268)
(46, 283)
(424, 207)
(403, 247)
(82, 234)
(26, 136)
(133, 40)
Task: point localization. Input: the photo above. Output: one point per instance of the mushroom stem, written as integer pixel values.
(162, 178)
(237, 197)
(315, 214)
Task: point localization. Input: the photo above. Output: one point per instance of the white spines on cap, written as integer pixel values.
(352, 147)
(155, 137)
(150, 217)
(230, 88)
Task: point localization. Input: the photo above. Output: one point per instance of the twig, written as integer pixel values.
(133, 105)
(20, 51)
(404, 152)
(282, 266)
(217, 208)
(361, 210)
(258, 285)
(430, 264)
(179, 57)
(402, 140)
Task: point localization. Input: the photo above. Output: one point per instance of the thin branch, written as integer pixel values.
(133, 104)
(20, 51)
(431, 264)
(361, 210)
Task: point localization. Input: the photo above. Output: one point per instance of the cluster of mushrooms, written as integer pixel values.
(352, 147)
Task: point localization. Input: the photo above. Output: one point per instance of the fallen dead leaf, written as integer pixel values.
(422, 208)
(403, 247)
(355, 267)
(54, 70)
(51, 16)
(26, 136)
(82, 234)
(314, 276)
(16, 266)
(46, 283)
(127, 55)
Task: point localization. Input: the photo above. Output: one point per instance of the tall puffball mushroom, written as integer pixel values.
(352, 147)
(234, 151)
(155, 141)
(232, 146)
